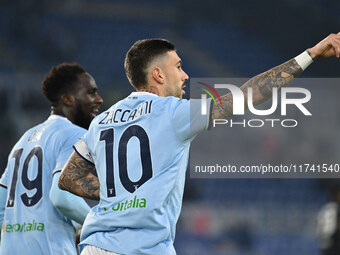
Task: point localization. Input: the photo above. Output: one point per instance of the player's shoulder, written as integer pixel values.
(61, 129)
(63, 124)
(168, 105)
(175, 103)
(164, 104)
(168, 101)
(26, 136)
(29, 132)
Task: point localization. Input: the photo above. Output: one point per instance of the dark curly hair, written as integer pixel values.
(59, 80)
(140, 56)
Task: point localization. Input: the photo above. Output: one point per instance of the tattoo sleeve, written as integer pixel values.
(262, 86)
(79, 177)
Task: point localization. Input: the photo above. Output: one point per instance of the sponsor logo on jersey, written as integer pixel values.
(128, 204)
(25, 227)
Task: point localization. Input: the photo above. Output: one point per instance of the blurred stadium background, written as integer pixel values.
(214, 39)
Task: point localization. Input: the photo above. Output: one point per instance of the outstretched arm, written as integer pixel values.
(278, 77)
(78, 178)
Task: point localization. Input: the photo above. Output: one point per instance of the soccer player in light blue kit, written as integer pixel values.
(36, 214)
(140, 149)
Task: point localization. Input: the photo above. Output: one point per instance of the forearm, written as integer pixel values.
(77, 177)
(3, 199)
(73, 207)
(262, 86)
(83, 186)
(277, 77)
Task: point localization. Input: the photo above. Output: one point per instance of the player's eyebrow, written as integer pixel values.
(179, 62)
(95, 89)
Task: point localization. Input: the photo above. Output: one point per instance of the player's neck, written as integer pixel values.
(57, 111)
(150, 89)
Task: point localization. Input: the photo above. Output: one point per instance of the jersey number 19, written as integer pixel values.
(28, 183)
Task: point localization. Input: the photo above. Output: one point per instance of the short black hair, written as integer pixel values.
(140, 56)
(59, 80)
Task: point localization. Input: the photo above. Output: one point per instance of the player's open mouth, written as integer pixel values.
(183, 92)
(95, 110)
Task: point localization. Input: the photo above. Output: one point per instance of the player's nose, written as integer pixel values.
(185, 76)
(98, 99)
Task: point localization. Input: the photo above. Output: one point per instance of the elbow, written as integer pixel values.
(60, 185)
(61, 182)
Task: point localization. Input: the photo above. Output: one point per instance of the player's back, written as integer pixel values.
(32, 225)
(140, 148)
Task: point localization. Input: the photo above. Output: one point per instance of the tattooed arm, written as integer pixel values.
(278, 77)
(78, 177)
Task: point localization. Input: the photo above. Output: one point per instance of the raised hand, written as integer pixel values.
(328, 47)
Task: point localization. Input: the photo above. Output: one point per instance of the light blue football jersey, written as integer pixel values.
(140, 147)
(32, 225)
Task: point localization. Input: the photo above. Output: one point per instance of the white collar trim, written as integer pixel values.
(142, 93)
(55, 116)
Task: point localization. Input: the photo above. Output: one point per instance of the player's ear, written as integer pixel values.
(67, 99)
(158, 75)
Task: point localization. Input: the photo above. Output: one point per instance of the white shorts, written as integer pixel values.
(93, 250)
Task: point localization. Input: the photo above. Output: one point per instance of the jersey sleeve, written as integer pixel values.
(70, 138)
(72, 206)
(187, 118)
(3, 180)
(3, 199)
(83, 150)
(84, 145)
